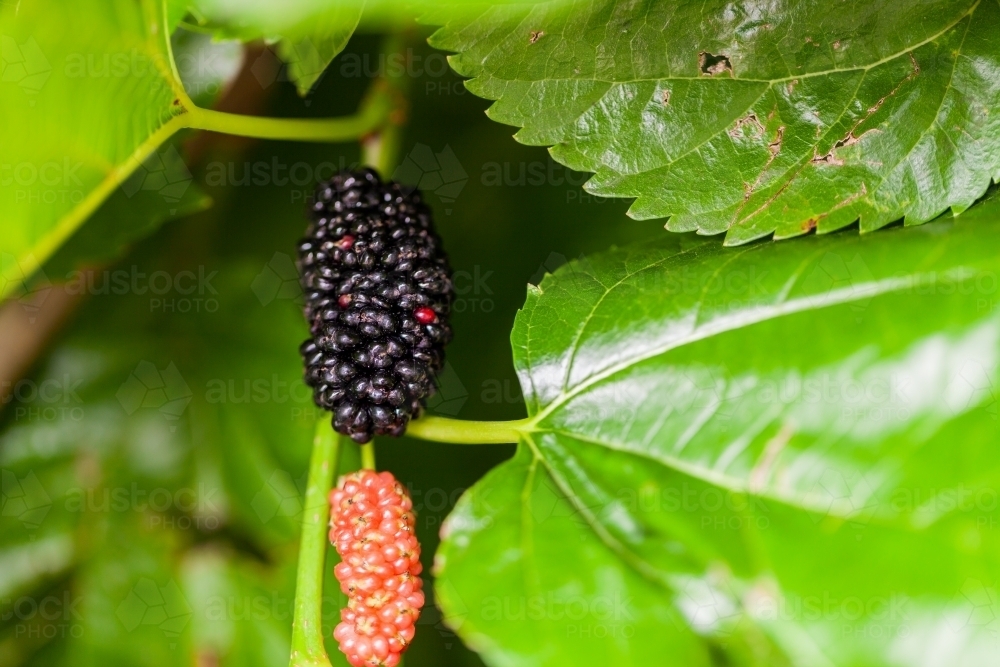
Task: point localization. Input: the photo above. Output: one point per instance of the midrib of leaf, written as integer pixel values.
(645, 569)
(802, 501)
(527, 542)
(45, 247)
(716, 478)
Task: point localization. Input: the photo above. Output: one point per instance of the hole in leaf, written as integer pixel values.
(711, 64)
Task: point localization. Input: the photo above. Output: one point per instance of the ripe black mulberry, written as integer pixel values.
(378, 295)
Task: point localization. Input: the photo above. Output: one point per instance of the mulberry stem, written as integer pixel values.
(308, 649)
(372, 115)
(463, 432)
(368, 456)
(380, 150)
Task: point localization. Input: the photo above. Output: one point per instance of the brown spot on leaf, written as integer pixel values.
(829, 158)
(775, 146)
(535, 35)
(749, 120)
(878, 105)
(790, 86)
(809, 225)
(849, 140)
(711, 64)
(836, 45)
(665, 97)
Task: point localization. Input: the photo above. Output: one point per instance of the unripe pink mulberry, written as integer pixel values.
(371, 524)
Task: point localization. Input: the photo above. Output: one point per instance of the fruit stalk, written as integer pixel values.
(308, 649)
(368, 456)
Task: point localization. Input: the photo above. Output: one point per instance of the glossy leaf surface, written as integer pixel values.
(750, 120)
(784, 453)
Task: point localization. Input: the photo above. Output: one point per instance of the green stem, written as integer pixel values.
(461, 432)
(376, 110)
(308, 649)
(381, 149)
(368, 456)
(372, 115)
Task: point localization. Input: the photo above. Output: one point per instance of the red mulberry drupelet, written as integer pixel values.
(372, 526)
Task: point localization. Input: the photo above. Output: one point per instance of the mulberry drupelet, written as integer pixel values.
(378, 294)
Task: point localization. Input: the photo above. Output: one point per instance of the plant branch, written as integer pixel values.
(381, 148)
(462, 432)
(379, 104)
(372, 115)
(308, 649)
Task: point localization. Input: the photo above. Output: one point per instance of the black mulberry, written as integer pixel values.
(378, 294)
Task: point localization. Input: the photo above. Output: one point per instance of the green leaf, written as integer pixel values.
(309, 33)
(91, 96)
(161, 189)
(723, 442)
(799, 116)
(206, 66)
